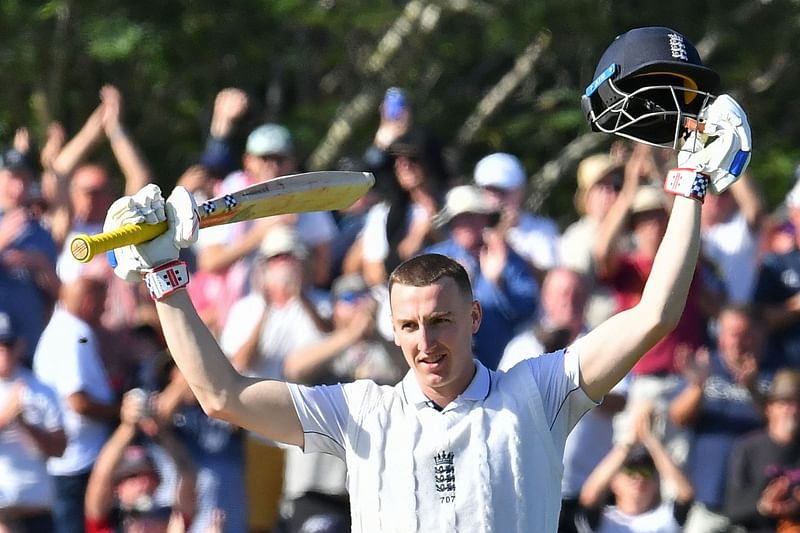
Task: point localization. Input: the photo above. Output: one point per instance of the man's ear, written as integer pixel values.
(477, 314)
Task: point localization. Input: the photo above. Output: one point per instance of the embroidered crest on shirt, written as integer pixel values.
(444, 474)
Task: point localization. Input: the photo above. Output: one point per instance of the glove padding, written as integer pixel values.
(722, 150)
(148, 207)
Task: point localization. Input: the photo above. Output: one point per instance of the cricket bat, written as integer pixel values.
(296, 193)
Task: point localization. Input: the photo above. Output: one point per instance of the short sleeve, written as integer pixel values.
(374, 244)
(558, 377)
(323, 415)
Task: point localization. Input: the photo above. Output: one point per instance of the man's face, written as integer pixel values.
(737, 338)
(563, 297)
(467, 230)
(600, 196)
(89, 194)
(133, 489)
(267, 167)
(433, 326)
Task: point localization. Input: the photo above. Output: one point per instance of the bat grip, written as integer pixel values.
(85, 247)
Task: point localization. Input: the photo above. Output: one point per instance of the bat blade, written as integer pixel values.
(297, 193)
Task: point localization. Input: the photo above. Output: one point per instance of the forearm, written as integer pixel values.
(82, 404)
(669, 471)
(596, 486)
(302, 365)
(50, 443)
(685, 408)
(135, 170)
(248, 351)
(99, 491)
(210, 375)
(78, 147)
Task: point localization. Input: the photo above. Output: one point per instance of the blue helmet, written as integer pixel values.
(649, 86)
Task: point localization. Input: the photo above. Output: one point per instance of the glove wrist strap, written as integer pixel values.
(687, 182)
(166, 279)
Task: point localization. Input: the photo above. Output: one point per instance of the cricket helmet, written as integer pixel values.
(649, 86)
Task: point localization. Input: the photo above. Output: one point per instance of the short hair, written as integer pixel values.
(745, 310)
(426, 269)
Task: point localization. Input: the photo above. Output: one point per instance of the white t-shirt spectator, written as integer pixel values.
(67, 359)
(24, 481)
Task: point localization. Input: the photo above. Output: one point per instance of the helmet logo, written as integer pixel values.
(677, 47)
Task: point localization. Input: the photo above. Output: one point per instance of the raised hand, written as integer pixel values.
(695, 365)
(111, 100)
(56, 137)
(722, 150)
(229, 105)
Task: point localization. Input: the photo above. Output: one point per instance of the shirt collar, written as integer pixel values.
(477, 390)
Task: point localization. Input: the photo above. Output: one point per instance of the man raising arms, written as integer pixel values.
(453, 446)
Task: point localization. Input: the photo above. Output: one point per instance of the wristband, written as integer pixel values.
(166, 279)
(687, 182)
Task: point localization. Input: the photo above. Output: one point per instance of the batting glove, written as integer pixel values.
(722, 150)
(148, 207)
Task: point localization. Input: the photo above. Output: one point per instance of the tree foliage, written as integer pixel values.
(304, 62)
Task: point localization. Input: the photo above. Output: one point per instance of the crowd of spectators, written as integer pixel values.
(100, 432)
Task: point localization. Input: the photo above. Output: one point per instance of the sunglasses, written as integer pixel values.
(640, 471)
(350, 297)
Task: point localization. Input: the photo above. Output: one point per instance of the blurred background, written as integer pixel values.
(482, 75)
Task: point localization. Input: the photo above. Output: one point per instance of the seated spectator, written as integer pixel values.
(31, 430)
(777, 293)
(124, 479)
(762, 485)
(503, 283)
(719, 400)
(535, 238)
(633, 472)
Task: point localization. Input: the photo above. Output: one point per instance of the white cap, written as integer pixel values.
(500, 170)
(269, 139)
(282, 240)
(465, 199)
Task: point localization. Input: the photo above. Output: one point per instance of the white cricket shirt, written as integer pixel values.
(490, 461)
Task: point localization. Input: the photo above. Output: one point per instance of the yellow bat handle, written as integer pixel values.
(85, 247)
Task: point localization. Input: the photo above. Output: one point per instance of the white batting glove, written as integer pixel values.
(722, 151)
(148, 206)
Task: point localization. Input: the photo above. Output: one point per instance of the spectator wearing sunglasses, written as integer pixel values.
(623, 494)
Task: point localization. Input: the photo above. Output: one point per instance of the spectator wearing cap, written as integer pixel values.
(225, 254)
(632, 473)
(31, 430)
(764, 473)
(68, 359)
(274, 320)
(401, 225)
(121, 492)
(28, 281)
(535, 238)
(502, 282)
(777, 295)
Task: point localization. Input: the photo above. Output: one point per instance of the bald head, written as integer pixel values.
(564, 294)
(84, 298)
(90, 193)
